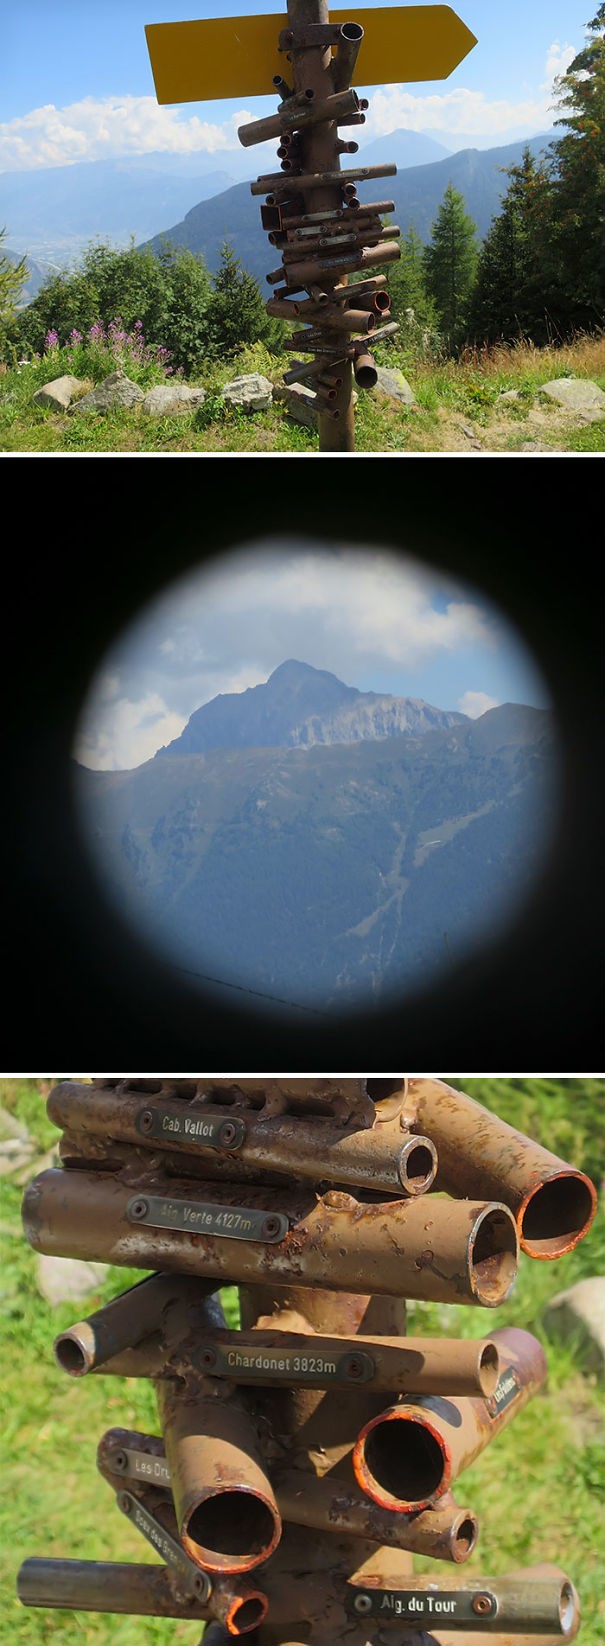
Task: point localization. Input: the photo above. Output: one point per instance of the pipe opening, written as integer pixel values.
(351, 31)
(247, 1614)
(556, 1215)
(567, 1608)
(405, 1460)
(235, 1524)
(70, 1356)
(465, 1537)
(489, 1368)
(417, 1167)
(493, 1256)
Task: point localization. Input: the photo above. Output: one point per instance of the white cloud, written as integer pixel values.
(128, 733)
(457, 110)
(476, 703)
(558, 59)
(99, 128)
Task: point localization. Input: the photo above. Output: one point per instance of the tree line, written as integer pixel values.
(539, 273)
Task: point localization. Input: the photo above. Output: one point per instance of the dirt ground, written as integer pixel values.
(541, 429)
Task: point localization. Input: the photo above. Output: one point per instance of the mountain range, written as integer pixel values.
(416, 192)
(52, 214)
(368, 847)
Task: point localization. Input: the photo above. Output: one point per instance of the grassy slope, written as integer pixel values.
(539, 1493)
(447, 395)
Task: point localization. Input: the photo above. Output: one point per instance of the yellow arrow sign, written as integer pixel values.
(238, 56)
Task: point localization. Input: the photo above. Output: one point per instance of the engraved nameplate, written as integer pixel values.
(430, 1606)
(507, 1389)
(166, 1546)
(145, 1466)
(286, 1364)
(176, 1123)
(201, 1217)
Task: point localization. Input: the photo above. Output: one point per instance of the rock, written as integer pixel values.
(581, 1311)
(575, 394)
(470, 435)
(300, 402)
(251, 393)
(534, 446)
(10, 1127)
(14, 1153)
(392, 385)
(115, 390)
(172, 399)
(63, 1279)
(59, 393)
(508, 397)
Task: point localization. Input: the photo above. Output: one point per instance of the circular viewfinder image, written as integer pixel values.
(316, 778)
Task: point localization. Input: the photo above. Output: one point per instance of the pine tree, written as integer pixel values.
(450, 262)
(12, 280)
(407, 283)
(236, 313)
(509, 299)
(577, 237)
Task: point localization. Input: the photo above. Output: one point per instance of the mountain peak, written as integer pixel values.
(299, 706)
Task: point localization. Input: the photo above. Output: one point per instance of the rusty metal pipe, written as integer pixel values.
(379, 301)
(570, 1621)
(361, 288)
(311, 1359)
(318, 180)
(553, 1203)
(298, 274)
(445, 1532)
(327, 1504)
(291, 118)
(105, 1586)
(225, 1507)
(409, 1456)
(347, 50)
(417, 1168)
(314, 1148)
(305, 371)
(364, 370)
(281, 86)
(121, 1324)
(538, 1605)
(447, 1251)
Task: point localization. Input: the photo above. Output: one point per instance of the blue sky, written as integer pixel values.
(76, 83)
(379, 621)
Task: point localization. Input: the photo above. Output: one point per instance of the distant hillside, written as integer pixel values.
(326, 873)
(417, 192)
(299, 706)
(54, 212)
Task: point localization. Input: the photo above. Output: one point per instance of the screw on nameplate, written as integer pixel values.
(293, 1367)
(507, 1389)
(197, 1580)
(201, 1217)
(430, 1605)
(179, 1124)
(140, 1466)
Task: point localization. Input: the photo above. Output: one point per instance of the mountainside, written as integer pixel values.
(54, 212)
(328, 874)
(417, 192)
(300, 705)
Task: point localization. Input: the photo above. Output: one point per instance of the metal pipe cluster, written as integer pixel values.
(315, 218)
(305, 1457)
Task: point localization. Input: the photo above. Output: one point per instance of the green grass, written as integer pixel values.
(539, 1491)
(445, 390)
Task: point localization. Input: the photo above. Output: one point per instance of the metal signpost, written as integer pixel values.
(306, 1456)
(312, 211)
